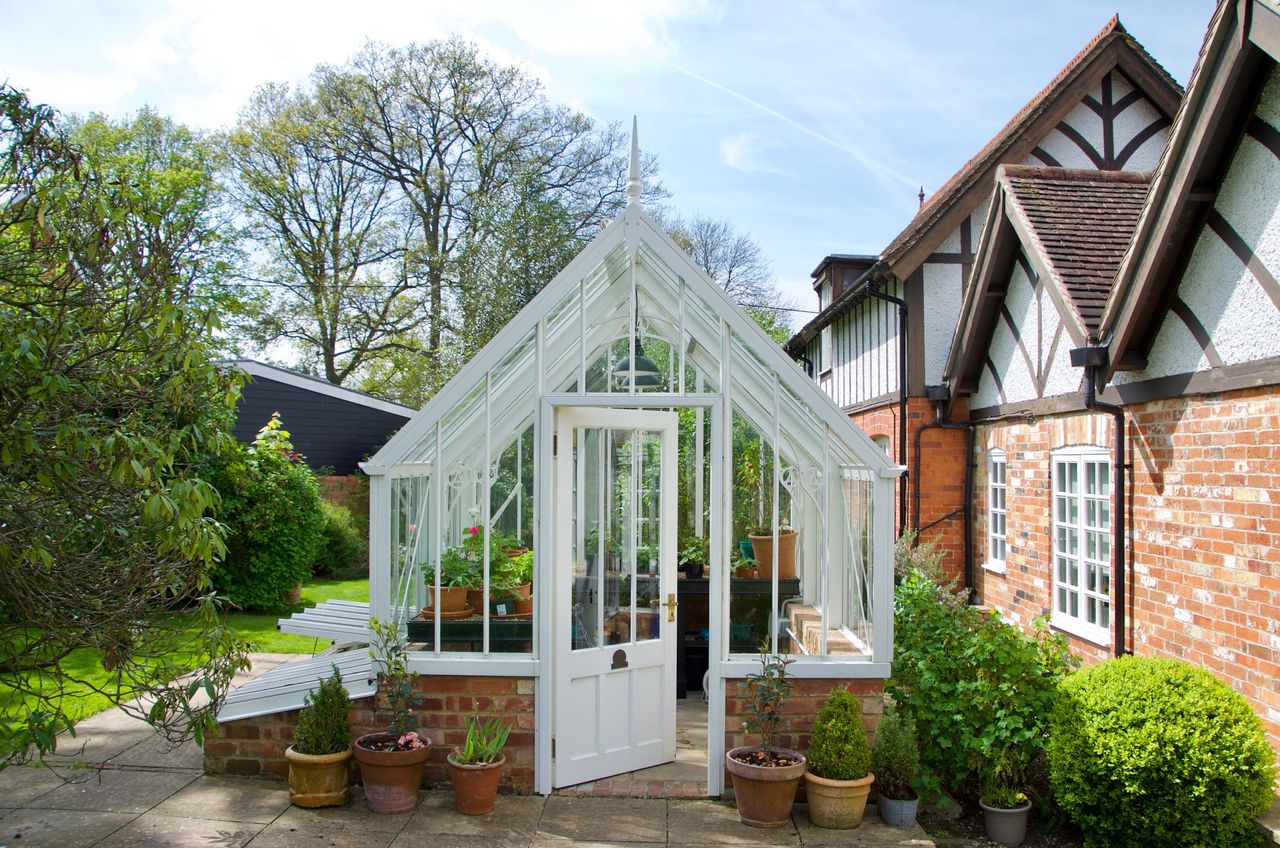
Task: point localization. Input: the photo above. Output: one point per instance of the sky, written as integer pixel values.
(811, 126)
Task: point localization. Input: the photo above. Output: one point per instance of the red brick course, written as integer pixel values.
(255, 746)
(1204, 532)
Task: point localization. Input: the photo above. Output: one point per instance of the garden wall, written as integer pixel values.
(1204, 532)
(255, 746)
(346, 490)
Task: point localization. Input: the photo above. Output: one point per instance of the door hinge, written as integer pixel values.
(555, 446)
(553, 747)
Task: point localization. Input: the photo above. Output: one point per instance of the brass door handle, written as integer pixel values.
(671, 607)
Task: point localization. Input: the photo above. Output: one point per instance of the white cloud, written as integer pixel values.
(746, 152)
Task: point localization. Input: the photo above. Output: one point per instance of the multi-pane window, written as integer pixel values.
(826, 354)
(997, 511)
(1082, 543)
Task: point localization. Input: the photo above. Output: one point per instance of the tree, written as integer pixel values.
(456, 135)
(738, 265)
(108, 391)
(332, 234)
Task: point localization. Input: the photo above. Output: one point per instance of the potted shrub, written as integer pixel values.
(391, 761)
(1005, 806)
(895, 759)
(839, 776)
(320, 756)
(765, 777)
(476, 767)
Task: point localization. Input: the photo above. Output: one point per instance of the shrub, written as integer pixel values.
(271, 509)
(895, 758)
(323, 726)
(1154, 752)
(344, 547)
(972, 683)
(838, 744)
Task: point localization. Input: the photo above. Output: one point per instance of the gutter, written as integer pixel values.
(1093, 358)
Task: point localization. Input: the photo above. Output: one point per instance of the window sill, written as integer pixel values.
(1089, 633)
(995, 567)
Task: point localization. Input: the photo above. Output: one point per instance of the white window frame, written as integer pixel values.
(825, 356)
(997, 512)
(1073, 522)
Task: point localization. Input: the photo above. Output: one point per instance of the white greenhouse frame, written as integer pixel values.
(544, 360)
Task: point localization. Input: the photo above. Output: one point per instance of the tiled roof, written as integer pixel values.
(1082, 222)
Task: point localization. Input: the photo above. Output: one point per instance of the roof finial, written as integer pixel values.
(921, 197)
(633, 176)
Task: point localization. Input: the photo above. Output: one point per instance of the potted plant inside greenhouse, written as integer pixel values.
(320, 756)
(765, 777)
(1004, 802)
(694, 555)
(475, 767)
(839, 776)
(895, 760)
(391, 761)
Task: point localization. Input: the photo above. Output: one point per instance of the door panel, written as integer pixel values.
(614, 565)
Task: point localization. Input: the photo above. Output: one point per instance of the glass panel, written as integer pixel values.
(624, 461)
(1105, 616)
(595, 551)
(648, 517)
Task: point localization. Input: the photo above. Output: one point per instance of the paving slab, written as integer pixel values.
(717, 823)
(872, 833)
(20, 785)
(101, 737)
(514, 818)
(228, 799)
(285, 835)
(354, 816)
(409, 838)
(154, 830)
(114, 791)
(546, 840)
(605, 819)
(59, 828)
(156, 752)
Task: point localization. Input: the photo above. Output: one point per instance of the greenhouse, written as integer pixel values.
(625, 497)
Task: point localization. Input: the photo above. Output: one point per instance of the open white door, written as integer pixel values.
(615, 592)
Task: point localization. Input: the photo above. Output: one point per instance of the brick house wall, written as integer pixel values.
(255, 746)
(1204, 532)
(940, 479)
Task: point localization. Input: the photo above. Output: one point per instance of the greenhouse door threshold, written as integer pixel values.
(615, 592)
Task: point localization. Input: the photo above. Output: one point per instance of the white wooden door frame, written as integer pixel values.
(569, 664)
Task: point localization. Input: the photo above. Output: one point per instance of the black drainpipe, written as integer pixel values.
(966, 508)
(1092, 358)
(874, 291)
(808, 364)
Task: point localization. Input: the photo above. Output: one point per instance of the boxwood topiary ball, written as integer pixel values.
(838, 744)
(1154, 752)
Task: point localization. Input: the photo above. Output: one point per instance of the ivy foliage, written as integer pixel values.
(974, 685)
(1153, 752)
(271, 509)
(838, 744)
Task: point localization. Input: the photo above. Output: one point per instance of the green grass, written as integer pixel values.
(259, 629)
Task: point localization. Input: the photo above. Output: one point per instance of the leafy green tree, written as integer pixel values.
(333, 239)
(108, 391)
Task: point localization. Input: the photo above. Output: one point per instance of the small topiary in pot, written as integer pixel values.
(1153, 752)
(839, 776)
(895, 760)
(321, 750)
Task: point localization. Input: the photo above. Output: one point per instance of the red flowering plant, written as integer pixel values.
(396, 684)
(463, 565)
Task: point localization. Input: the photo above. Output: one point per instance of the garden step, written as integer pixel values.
(1269, 824)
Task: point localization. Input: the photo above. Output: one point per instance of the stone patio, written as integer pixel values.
(115, 785)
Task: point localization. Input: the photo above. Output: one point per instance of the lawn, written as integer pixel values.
(260, 628)
(256, 628)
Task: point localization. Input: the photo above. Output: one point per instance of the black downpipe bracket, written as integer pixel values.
(874, 290)
(940, 423)
(1092, 358)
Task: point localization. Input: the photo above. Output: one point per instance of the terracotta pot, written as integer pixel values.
(764, 794)
(475, 597)
(452, 599)
(524, 607)
(1008, 827)
(763, 547)
(475, 787)
(391, 778)
(837, 804)
(524, 591)
(319, 780)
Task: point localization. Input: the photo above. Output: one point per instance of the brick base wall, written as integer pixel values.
(807, 697)
(255, 746)
(1204, 532)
